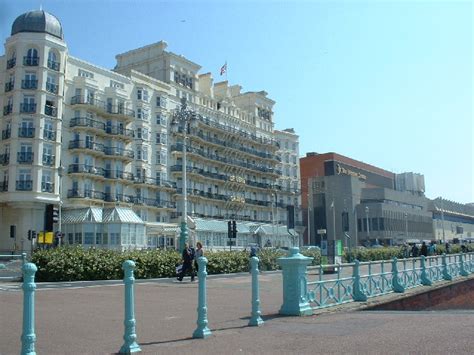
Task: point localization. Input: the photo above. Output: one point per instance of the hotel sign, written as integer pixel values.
(342, 170)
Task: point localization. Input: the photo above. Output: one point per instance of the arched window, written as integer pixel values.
(31, 58)
(53, 60)
(32, 53)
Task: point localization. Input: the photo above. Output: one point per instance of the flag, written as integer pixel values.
(224, 69)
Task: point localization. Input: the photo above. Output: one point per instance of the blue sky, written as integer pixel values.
(387, 83)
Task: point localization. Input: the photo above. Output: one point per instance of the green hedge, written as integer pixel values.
(372, 254)
(79, 264)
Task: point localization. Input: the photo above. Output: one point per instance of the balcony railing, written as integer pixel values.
(11, 63)
(119, 198)
(27, 108)
(114, 174)
(49, 135)
(25, 157)
(26, 132)
(234, 145)
(24, 185)
(75, 193)
(86, 169)
(47, 187)
(4, 186)
(115, 110)
(153, 181)
(6, 133)
(52, 88)
(49, 159)
(252, 137)
(4, 159)
(50, 111)
(78, 144)
(86, 122)
(9, 86)
(127, 153)
(223, 177)
(255, 167)
(117, 130)
(29, 84)
(7, 109)
(31, 61)
(53, 65)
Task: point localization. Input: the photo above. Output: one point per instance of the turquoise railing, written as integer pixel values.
(10, 266)
(378, 282)
(330, 285)
(326, 293)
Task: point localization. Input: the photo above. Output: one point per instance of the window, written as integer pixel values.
(117, 85)
(161, 120)
(142, 94)
(53, 62)
(161, 101)
(161, 138)
(46, 181)
(85, 74)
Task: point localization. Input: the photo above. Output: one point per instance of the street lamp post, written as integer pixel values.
(309, 219)
(367, 218)
(60, 174)
(406, 225)
(183, 116)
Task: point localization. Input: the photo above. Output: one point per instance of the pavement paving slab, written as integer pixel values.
(89, 320)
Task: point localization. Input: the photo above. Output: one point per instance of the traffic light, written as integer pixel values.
(234, 229)
(31, 234)
(229, 229)
(12, 231)
(51, 217)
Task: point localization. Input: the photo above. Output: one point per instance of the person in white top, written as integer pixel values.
(198, 253)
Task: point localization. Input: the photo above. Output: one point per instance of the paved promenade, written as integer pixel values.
(89, 320)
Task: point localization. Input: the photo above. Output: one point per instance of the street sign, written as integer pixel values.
(321, 231)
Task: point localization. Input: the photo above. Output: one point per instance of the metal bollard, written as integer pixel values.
(28, 337)
(202, 331)
(396, 285)
(425, 280)
(130, 345)
(357, 290)
(255, 320)
(446, 274)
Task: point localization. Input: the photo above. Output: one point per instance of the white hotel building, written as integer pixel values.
(106, 146)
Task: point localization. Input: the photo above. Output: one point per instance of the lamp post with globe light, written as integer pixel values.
(182, 118)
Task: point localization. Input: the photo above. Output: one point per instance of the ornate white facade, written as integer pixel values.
(101, 144)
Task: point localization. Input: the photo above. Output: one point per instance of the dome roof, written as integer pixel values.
(38, 21)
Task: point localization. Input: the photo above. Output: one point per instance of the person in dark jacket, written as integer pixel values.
(424, 249)
(188, 257)
(414, 251)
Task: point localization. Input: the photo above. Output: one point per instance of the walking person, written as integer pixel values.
(188, 256)
(414, 251)
(199, 252)
(424, 249)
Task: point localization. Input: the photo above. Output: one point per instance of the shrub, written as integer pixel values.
(79, 264)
